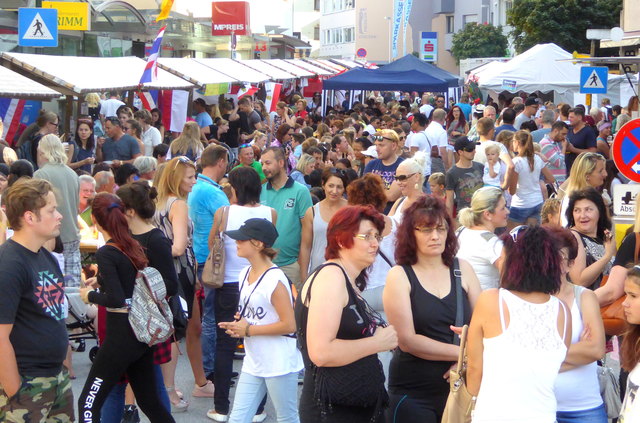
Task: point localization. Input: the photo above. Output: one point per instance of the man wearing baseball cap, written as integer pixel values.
(531, 105)
(465, 177)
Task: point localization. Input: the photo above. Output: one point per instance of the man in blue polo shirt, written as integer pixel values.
(290, 200)
(205, 198)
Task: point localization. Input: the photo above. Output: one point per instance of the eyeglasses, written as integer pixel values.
(515, 232)
(429, 229)
(54, 124)
(182, 159)
(369, 237)
(381, 138)
(402, 178)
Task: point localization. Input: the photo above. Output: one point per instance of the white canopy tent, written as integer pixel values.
(14, 85)
(235, 69)
(317, 70)
(291, 68)
(265, 67)
(194, 71)
(545, 68)
(74, 75)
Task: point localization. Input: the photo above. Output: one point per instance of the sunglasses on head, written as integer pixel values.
(515, 232)
(182, 159)
(382, 138)
(336, 171)
(241, 146)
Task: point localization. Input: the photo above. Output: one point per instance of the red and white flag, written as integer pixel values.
(242, 91)
(273, 94)
(11, 113)
(174, 105)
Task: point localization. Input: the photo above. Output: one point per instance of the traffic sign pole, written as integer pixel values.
(626, 150)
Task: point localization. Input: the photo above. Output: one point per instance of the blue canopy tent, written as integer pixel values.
(376, 79)
(411, 62)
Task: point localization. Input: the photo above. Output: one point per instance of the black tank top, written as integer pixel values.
(432, 317)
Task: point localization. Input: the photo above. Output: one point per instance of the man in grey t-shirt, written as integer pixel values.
(119, 148)
(529, 113)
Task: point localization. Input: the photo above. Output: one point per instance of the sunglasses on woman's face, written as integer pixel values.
(402, 178)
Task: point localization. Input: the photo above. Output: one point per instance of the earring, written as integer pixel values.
(417, 186)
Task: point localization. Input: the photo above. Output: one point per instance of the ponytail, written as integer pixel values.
(108, 210)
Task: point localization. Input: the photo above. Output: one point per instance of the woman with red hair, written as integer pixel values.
(339, 333)
(118, 262)
(421, 298)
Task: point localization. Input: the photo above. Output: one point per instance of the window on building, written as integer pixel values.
(469, 19)
(450, 29)
(316, 5)
(508, 5)
(349, 35)
(316, 32)
(350, 4)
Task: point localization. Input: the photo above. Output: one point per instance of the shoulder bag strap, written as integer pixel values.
(246, 303)
(384, 257)
(223, 222)
(463, 349)
(637, 250)
(315, 273)
(457, 274)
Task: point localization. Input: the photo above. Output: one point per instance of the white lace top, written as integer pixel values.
(521, 364)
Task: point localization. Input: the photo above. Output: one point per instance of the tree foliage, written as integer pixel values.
(563, 22)
(479, 40)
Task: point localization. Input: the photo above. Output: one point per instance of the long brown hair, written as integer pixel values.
(525, 141)
(630, 350)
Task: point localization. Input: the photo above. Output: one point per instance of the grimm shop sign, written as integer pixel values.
(230, 17)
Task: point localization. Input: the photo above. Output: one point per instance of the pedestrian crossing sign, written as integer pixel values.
(593, 79)
(37, 27)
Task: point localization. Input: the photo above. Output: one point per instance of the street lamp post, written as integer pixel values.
(388, 18)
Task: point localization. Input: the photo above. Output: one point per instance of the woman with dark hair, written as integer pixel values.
(283, 116)
(245, 204)
(282, 135)
(118, 262)
(421, 300)
(456, 124)
(520, 333)
(266, 322)
(338, 333)
(316, 219)
(580, 367)
(138, 199)
(156, 116)
(85, 145)
(590, 223)
(630, 353)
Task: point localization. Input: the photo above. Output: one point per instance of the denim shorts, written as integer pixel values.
(520, 215)
(594, 415)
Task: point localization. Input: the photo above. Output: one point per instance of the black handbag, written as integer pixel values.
(358, 384)
(180, 319)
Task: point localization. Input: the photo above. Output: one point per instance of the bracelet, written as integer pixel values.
(246, 331)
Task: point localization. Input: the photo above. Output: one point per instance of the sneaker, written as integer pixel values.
(205, 391)
(78, 346)
(259, 418)
(130, 414)
(217, 417)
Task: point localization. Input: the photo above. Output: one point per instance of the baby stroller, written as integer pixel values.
(80, 319)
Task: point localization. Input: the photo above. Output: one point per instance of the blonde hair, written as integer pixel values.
(92, 99)
(584, 165)
(505, 138)
(416, 164)
(492, 148)
(550, 207)
(437, 178)
(304, 161)
(484, 199)
(189, 138)
(171, 179)
(52, 149)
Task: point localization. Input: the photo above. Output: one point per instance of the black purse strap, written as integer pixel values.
(246, 276)
(457, 274)
(384, 257)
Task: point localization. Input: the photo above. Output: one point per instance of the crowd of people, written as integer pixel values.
(353, 248)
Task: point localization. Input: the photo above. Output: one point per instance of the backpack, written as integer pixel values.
(150, 316)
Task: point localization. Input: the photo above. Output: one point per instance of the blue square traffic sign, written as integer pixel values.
(37, 27)
(593, 79)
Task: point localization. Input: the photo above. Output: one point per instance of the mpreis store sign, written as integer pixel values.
(229, 17)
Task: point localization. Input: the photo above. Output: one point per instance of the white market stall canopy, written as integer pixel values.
(298, 71)
(349, 64)
(80, 75)
(236, 69)
(328, 64)
(14, 85)
(194, 71)
(268, 69)
(317, 70)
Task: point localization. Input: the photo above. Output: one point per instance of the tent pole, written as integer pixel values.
(68, 115)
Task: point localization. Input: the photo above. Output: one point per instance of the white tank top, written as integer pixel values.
(319, 244)
(269, 355)
(521, 364)
(236, 217)
(586, 377)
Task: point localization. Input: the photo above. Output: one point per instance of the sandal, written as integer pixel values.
(176, 406)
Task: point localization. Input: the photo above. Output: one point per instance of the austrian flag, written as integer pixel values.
(150, 73)
(241, 91)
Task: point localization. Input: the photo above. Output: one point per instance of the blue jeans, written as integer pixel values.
(521, 214)
(594, 415)
(113, 407)
(283, 391)
(208, 335)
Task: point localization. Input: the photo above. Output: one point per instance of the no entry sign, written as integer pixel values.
(626, 150)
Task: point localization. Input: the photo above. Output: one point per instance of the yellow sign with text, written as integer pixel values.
(72, 16)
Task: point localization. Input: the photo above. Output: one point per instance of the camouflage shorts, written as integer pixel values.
(39, 400)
